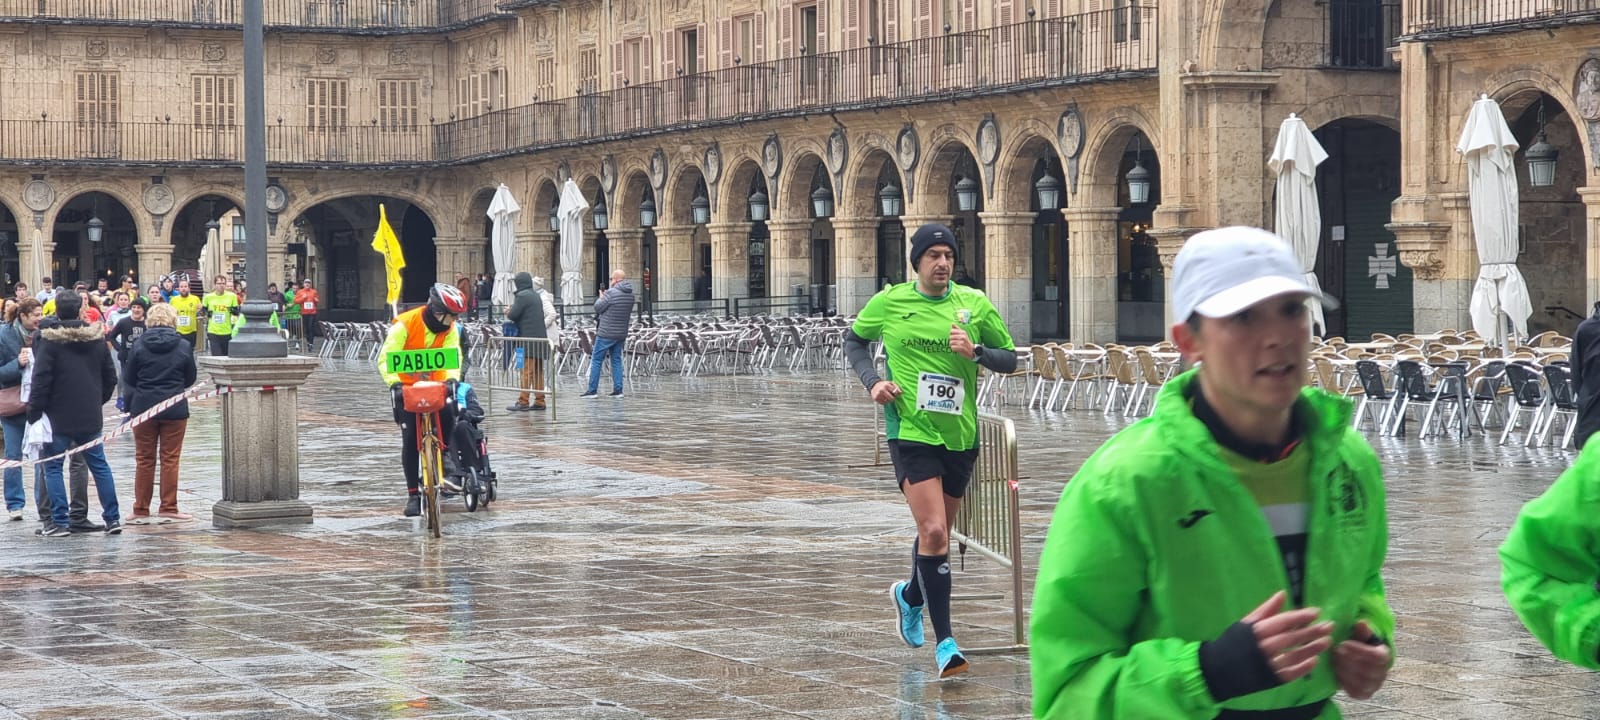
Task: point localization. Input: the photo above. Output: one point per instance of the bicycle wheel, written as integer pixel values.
(471, 489)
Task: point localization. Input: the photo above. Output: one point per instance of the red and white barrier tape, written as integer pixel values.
(196, 393)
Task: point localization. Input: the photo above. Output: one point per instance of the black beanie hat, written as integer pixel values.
(928, 236)
(68, 304)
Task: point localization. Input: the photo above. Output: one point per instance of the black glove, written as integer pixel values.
(397, 398)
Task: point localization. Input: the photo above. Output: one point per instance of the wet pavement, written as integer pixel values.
(703, 548)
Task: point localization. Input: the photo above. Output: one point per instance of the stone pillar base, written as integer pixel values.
(234, 514)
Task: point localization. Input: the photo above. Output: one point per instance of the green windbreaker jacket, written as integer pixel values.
(1551, 560)
(1156, 547)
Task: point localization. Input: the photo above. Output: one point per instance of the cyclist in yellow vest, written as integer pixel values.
(220, 305)
(430, 326)
(187, 306)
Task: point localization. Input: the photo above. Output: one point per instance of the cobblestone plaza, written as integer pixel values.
(703, 548)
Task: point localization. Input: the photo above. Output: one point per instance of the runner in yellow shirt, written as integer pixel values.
(188, 307)
(220, 306)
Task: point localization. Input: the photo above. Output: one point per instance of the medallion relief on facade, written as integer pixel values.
(1587, 90)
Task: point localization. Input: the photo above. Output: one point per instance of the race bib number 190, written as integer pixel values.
(940, 394)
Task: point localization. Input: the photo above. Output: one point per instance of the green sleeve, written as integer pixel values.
(1373, 606)
(453, 340)
(869, 322)
(1086, 605)
(1551, 559)
(992, 332)
(396, 340)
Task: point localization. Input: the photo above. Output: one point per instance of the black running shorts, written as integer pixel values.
(915, 462)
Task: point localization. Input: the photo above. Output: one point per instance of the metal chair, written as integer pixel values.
(1563, 403)
(1527, 396)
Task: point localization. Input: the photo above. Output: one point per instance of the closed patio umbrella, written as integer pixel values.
(571, 212)
(503, 211)
(1489, 149)
(1298, 217)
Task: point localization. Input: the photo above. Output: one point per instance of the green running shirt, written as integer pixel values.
(1283, 490)
(915, 330)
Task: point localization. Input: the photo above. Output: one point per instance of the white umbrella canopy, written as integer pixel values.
(503, 212)
(571, 212)
(1298, 217)
(1490, 151)
(211, 256)
(37, 261)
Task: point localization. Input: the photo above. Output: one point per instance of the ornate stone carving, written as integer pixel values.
(1421, 246)
(158, 199)
(658, 169)
(1587, 90)
(608, 174)
(1069, 133)
(988, 141)
(713, 164)
(95, 47)
(327, 54)
(399, 55)
(214, 52)
(772, 156)
(38, 195)
(908, 149)
(1424, 264)
(838, 150)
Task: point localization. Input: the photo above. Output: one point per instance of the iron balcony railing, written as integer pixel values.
(1101, 44)
(1360, 33)
(165, 143)
(1436, 18)
(364, 15)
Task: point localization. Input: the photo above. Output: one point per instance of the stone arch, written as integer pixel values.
(1103, 158)
(936, 169)
(631, 190)
(1383, 110)
(182, 203)
(794, 185)
(544, 195)
(112, 253)
(425, 203)
(1516, 90)
(1013, 186)
(680, 192)
(130, 199)
(475, 211)
(1232, 33)
(735, 206)
(859, 198)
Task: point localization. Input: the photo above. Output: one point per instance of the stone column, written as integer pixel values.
(591, 258)
(730, 259)
(855, 253)
(912, 223)
(1169, 240)
(155, 260)
(1591, 226)
(789, 257)
(260, 445)
(1092, 272)
(456, 255)
(675, 262)
(1008, 268)
(627, 257)
(538, 253)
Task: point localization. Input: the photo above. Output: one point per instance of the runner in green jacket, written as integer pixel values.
(1223, 556)
(1549, 564)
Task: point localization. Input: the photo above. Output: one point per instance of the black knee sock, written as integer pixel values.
(913, 590)
(933, 572)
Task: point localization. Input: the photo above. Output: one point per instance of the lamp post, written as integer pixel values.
(96, 229)
(601, 219)
(647, 213)
(555, 220)
(822, 202)
(1541, 156)
(700, 209)
(967, 194)
(1048, 190)
(890, 200)
(257, 339)
(1138, 177)
(758, 206)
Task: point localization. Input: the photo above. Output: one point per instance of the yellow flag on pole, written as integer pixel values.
(387, 245)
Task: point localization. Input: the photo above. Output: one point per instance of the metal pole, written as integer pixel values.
(257, 338)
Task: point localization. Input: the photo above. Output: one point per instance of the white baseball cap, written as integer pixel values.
(1223, 271)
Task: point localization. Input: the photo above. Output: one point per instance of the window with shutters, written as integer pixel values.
(689, 51)
(215, 101)
(588, 71)
(544, 87)
(327, 104)
(744, 39)
(397, 106)
(636, 61)
(97, 98)
(478, 93)
(1125, 21)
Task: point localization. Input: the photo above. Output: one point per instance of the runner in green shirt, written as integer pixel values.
(291, 314)
(220, 306)
(935, 334)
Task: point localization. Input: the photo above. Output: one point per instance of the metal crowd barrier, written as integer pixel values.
(505, 362)
(990, 521)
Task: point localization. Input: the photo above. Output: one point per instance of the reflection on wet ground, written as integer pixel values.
(703, 548)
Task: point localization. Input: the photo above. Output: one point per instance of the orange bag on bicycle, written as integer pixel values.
(425, 396)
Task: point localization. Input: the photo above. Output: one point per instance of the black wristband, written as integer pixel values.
(1233, 665)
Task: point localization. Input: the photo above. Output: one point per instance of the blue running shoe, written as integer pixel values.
(910, 617)
(951, 662)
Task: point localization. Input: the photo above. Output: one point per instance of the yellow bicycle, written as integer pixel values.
(427, 399)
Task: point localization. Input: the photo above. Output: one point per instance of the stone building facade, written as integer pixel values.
(956, 111)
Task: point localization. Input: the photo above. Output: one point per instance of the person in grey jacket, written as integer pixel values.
(527, 312)
(611, 311)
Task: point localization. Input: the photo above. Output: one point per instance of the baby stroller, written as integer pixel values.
(466, 463)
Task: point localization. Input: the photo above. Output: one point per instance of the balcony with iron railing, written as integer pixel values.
(1098, 46)
(1429, 19)
(360, 16)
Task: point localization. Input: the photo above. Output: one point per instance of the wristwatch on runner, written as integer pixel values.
(977, 353)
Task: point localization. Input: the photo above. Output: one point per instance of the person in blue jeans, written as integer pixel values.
(611, 311)
(73, 379)
(15, 355)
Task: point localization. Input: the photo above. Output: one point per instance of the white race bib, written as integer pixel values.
(311, 306)
(940, 394)
(185, 321)
(220, 317)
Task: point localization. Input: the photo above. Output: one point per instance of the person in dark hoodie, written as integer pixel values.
(1586, 375)
(527, 311)
(159, 366)
(122, 336)
(72, 379)
(611, 311)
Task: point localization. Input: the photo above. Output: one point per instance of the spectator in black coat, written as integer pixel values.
(1586, 375)
(122, 337)
(72, 379)
(160, 366)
